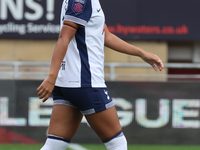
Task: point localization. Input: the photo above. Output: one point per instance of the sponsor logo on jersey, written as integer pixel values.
(104, 29)
(98, 10)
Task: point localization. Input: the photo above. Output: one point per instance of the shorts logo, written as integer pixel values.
(106, 92)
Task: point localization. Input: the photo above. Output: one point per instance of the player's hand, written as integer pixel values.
(153, 60)
(45, 89)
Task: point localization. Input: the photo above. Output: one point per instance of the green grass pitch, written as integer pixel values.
(102, 147)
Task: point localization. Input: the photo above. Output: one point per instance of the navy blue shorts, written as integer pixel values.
(87, 100)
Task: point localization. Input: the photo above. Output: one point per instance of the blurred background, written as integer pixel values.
(153, 107)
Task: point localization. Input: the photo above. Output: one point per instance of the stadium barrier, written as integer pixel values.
(39, 70)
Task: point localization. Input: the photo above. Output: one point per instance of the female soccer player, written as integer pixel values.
(76, 77)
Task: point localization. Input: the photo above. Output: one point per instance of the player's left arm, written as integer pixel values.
(119, 45)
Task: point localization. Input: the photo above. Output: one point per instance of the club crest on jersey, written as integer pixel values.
(78, 6)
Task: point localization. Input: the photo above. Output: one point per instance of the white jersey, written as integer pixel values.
(83, 64)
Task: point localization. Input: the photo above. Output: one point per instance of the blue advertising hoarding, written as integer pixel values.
(128, 19)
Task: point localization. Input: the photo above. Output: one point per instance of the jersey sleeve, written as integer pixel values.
(78, 11)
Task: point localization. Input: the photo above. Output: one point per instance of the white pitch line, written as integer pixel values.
(74, 146)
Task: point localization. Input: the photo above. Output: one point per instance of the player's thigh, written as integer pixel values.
(65, 121)
(105, 123)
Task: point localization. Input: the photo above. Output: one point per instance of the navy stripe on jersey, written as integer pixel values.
(84, 14)
(85, 67)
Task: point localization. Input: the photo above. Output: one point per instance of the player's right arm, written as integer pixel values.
(67, 33)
